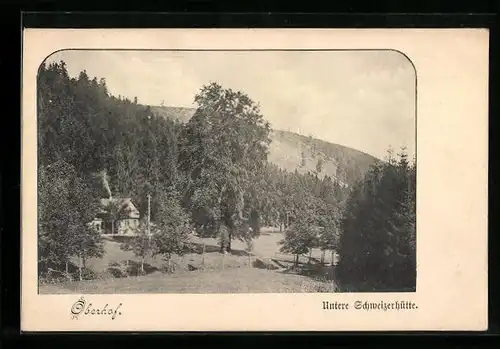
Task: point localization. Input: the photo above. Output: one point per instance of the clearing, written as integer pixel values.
(265, 270)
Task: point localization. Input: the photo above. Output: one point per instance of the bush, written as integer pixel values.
(116, 270)
(87, 274)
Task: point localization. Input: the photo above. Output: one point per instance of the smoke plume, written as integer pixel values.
(105, 181)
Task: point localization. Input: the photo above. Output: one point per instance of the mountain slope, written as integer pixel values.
(175, 113)
(291, 151)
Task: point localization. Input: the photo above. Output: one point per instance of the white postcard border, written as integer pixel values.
(452, 191)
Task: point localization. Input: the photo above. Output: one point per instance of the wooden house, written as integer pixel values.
(117, 216)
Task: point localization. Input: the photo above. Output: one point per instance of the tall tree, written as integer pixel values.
(378, 229)
(224, 143)
(67, 204)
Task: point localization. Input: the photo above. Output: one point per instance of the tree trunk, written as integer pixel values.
(223, 259)
(203, 255)
(67, 271)
(323, 257)
(228, 244)
(222, 237)
(112, 227)
(333, 255)
(80, 271)
(310, 256)
(142, 264)
(281, 227)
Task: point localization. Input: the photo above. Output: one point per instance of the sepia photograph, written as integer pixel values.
(182, 172)
(254, 180)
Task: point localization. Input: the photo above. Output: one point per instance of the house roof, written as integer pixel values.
(122, 202)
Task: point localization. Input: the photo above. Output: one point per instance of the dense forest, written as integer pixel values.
(209, 176)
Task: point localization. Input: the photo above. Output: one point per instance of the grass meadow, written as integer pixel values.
(263, 270)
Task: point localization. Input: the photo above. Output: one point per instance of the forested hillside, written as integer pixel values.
(291, 151)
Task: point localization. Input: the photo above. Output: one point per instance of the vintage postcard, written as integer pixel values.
(265, 180)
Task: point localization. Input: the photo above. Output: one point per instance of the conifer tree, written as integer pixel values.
(377, 242)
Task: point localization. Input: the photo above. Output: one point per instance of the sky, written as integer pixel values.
(360, 99)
